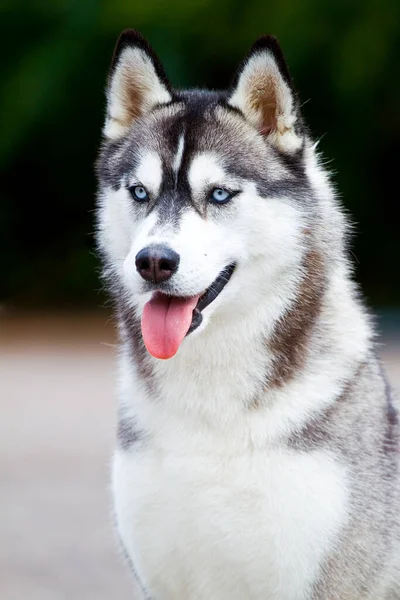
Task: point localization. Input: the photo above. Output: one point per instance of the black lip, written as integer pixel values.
(210, 295)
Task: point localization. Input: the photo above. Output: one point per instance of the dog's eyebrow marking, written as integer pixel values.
(205, 171)
(149, 172)
(179, 154)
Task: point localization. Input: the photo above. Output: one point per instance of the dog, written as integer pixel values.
(258, 440)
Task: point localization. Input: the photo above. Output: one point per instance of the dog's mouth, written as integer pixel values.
(167, 320)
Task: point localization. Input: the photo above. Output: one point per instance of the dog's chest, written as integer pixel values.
(254, 525)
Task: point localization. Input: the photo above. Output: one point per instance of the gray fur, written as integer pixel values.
(369, 544)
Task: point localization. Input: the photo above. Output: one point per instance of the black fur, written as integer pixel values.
(130, 38)
(269, 43)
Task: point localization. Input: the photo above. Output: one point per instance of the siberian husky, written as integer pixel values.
(258, 441)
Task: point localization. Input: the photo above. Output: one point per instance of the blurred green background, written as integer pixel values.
(344, 57)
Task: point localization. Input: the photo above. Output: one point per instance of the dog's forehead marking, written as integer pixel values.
(205, 169)
(149, 171)
(179, 154)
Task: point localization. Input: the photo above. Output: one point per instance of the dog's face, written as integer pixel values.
(202, 194)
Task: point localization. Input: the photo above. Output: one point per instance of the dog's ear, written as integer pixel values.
(136, 84)
(264, 93)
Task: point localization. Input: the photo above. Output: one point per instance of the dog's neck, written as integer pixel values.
(253, 366)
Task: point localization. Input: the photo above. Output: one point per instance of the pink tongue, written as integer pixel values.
(165, 322)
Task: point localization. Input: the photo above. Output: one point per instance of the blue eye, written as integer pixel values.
(138, 193)
(220, 196)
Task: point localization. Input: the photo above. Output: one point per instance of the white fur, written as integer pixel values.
(179, 153)
(206, 171)
(219, 526)
(115, 209)
(149, 173)
(213, 507)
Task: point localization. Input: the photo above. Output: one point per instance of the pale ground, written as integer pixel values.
(56, 434)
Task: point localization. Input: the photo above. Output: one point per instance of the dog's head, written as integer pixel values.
(203, 196)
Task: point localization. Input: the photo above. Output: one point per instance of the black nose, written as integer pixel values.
(157, 263)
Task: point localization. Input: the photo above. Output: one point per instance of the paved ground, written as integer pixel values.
(56, 433)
